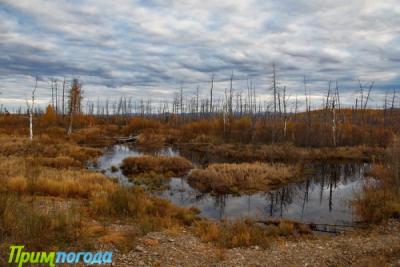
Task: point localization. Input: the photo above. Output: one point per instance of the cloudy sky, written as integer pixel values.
(149, 48)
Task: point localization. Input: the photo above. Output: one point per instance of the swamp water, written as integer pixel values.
(322, 197)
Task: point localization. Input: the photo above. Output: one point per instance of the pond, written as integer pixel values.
(322, 197)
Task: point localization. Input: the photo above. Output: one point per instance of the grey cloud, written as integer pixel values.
(116, 46)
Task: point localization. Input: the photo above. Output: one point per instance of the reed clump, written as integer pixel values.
(170, 166)
(243, 177)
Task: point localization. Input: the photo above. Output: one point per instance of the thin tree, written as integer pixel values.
(63, 98)
(274, 86)
(369, 92)
(75, 100)
(31, 107)
(211, 93)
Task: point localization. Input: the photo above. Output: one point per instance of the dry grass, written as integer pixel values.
(380, 199)
(243, 233)
(52, 153)
(23, 220)
(244, 177)
(151, 140)
(18, 184)
(281, 152)
(170, 166)
(61, 162)
(149, 213)
(122, 240)
(26, 177)
(98, 136)
(50, 181)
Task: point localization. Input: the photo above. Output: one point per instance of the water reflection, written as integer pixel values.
(323, 197)
(114, 155)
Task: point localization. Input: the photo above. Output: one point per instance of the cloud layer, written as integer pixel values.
(149, 49)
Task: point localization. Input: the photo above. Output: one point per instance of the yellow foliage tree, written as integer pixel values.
(50, 117)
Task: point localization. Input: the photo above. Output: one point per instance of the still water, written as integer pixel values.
(323, 197)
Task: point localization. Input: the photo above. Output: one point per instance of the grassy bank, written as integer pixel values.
(244, 177)
(279, 153)
(380, 198)
(59, 204)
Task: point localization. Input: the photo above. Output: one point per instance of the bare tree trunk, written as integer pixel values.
(52, 93)
(31, 107)
(369, 92)
(274, 86)
(211, 93)
(334, 123)
(56, 82)
(197, 101)
(63, 99)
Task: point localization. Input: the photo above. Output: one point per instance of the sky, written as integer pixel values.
(149, 49)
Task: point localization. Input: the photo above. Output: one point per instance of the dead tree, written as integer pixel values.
(334, 121)
(230, 100)
(369, 92)
(31, 107)
(328, 95)
(274, 86)
(52, 93)
(211, 93)
(75, 100)
(63, 99)
(197, 101)
(56, 96)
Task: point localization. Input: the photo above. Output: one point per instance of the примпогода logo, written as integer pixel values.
(20, 257)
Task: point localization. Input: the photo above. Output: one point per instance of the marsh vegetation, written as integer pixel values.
(244, 177)
(54, 192)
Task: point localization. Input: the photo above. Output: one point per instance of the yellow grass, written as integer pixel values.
(162, 165)
(380, 199)
(245, 233)
(284, 152)
(18, 184)
(242, 177)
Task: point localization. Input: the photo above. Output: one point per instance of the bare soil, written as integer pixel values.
(379, 246)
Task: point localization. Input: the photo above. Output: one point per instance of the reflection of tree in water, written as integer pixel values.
(327, 178)
(220, 203)
(279, 199)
